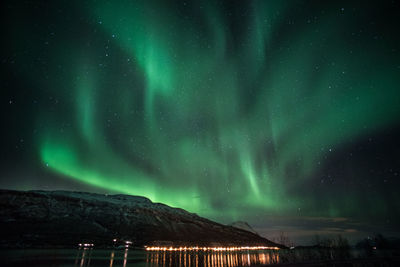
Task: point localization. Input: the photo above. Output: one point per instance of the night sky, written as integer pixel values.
(284, 114)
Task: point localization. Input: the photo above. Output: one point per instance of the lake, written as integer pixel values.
(134, 258)
(130, 257)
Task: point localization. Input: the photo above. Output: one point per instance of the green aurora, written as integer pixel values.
(210, 106)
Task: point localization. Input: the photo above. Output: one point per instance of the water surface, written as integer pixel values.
(132, 258)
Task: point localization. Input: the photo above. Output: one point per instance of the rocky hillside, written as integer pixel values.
(62, 218)
(244, 226)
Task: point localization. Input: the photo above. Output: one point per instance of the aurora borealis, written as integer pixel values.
(263, 111)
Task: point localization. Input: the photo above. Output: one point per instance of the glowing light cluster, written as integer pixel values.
(86, 245)
(210, 248)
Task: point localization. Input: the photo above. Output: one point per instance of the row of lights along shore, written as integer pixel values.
(129, 243)
(86, 245)
(209, 248)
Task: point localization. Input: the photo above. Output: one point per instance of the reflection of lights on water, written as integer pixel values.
(209, 248)
(112, 258)
(211, 257)
(125, 257)
(189, 256)
(83, 258)
(84, 255)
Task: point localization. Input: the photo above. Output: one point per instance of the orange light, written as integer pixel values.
(210, 248)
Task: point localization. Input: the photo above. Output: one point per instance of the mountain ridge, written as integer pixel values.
(244, 226)
(39, 218)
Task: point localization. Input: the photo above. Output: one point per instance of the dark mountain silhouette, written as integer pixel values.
(244, 226)
(64, 219)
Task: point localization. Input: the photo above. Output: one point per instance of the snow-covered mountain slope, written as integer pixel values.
(63, 218)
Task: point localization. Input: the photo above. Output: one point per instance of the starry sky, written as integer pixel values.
(284, 114)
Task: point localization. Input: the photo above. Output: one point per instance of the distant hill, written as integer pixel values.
(64, 219)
